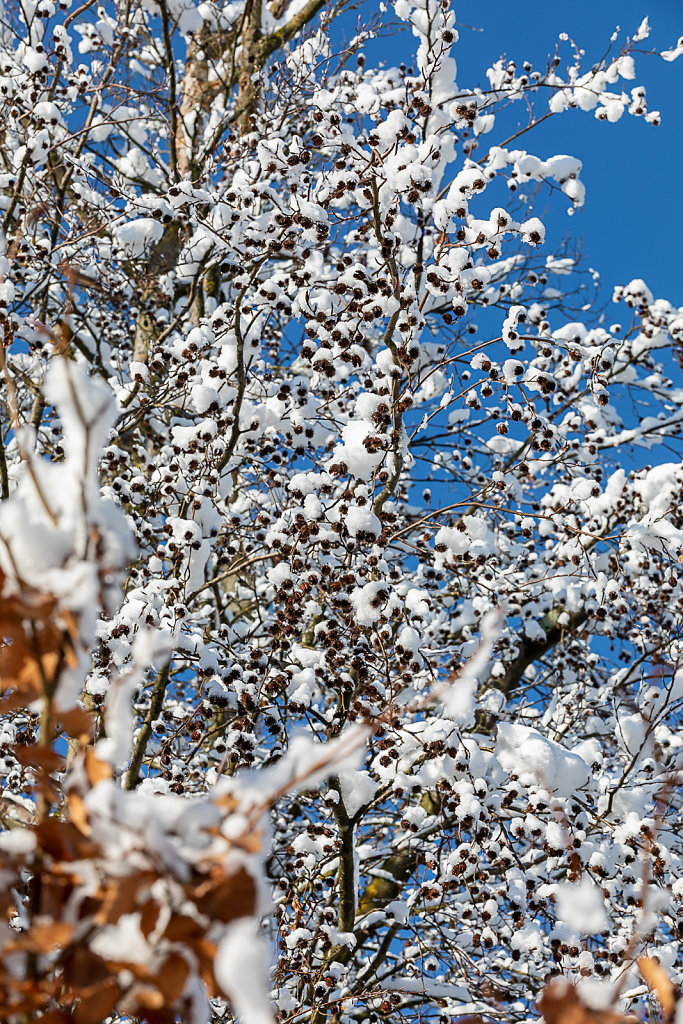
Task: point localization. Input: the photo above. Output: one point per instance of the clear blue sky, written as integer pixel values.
(633, 171)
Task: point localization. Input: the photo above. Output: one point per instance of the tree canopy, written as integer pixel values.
(340, 531)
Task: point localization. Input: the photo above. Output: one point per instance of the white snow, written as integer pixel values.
(138, 235)
(581, 907)
(241, 967)
(523, 751)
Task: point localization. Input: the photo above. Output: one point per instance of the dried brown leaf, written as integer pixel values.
(172, 977)
(39, 756)
(85, 969)
(560, 1003)
(661, 984)
(205, 952)
(44, 938)
(77, 722)
(97, 1003)
(96, 770)
(36, 646)
(149, 916)
(123, 896)
(144, 997)
(13, 810)
(183, 929)
(63, 841)
(78, 814)
(227, 897)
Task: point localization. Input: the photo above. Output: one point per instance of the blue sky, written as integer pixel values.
(633, 171)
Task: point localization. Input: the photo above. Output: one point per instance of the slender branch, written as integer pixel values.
(533, 650)
(172, 89)
(345, 874)
(4, 479)
(156, 705)
(241, 380)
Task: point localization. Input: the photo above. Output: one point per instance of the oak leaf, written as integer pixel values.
(660, 983)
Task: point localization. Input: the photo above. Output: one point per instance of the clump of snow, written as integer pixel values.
(357, 788)
(58, 532)
(356, 452)
(525, 752)
(581, 907)
(362, 520)
(472, 537)
(241, 969)
(368, 602)
(458, 698)
(138, 235)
